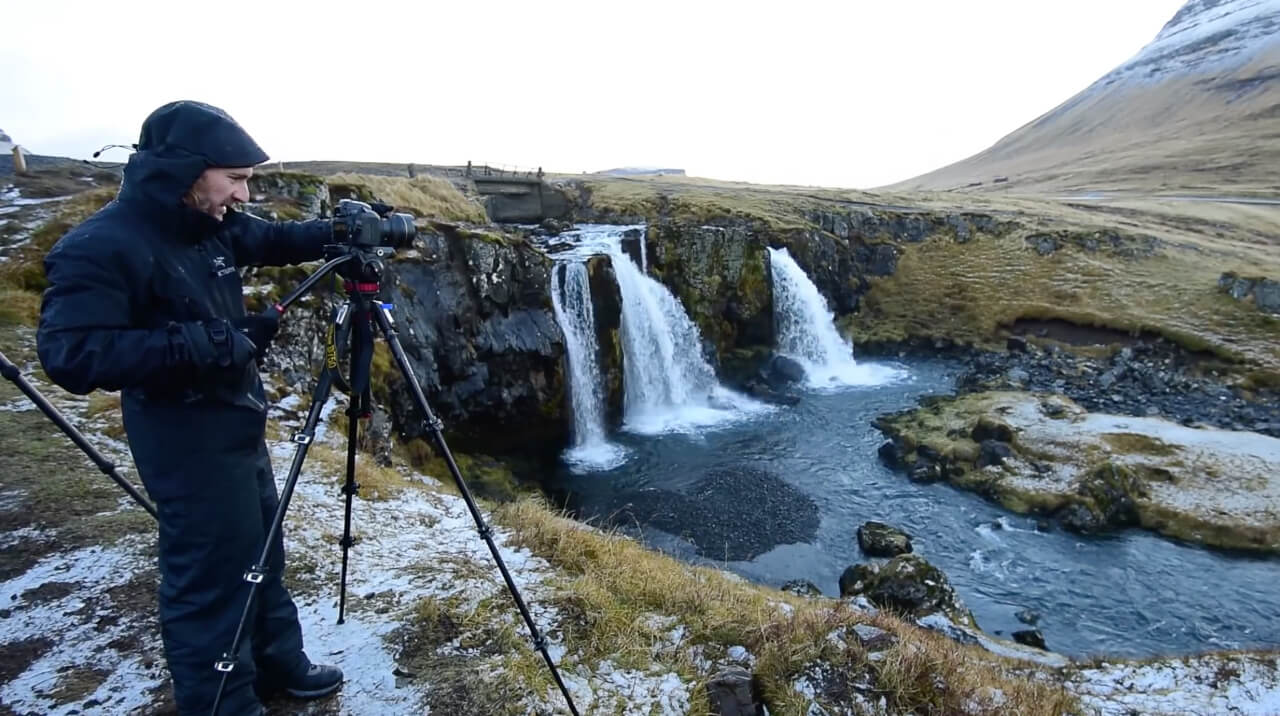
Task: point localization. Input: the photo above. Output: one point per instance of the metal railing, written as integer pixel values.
(500, 171)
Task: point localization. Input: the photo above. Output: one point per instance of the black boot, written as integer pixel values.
(318, 680)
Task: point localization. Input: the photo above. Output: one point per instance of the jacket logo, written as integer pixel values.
(220, 267)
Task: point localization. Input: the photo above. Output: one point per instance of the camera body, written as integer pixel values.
(366, 226)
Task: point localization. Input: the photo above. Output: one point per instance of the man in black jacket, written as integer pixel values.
(145, 297)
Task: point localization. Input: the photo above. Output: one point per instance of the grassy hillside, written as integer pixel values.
(1203, 133)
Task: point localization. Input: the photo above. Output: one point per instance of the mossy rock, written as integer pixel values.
(908, 584)
(1108, 499)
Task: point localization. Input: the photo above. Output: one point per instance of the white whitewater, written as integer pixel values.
(572, 303)
(667, 385)
(806, 331)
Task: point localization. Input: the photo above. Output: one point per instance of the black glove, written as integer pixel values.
(216, 344)
(260, 329)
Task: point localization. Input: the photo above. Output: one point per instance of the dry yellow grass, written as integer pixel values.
(19, 307)
(967, 292)
(424, 196)
(614, 587)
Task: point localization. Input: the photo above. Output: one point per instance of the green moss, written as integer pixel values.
(489, 237)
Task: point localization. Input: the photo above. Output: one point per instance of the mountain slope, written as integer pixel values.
(1194, 112)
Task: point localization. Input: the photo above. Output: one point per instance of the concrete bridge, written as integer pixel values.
(518, 197)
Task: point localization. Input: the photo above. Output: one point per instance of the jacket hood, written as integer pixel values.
(178, 142)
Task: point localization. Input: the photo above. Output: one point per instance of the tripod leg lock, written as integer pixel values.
(302, 438)
(225, 665)
(350, 488)
(255, 575)
(348, 542)
(434, 423)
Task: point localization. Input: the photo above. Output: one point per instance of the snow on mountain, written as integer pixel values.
(1202, 36)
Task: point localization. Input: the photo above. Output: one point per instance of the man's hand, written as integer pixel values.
(214, 345)
(260, 329)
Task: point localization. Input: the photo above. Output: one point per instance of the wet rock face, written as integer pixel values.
(878, 539)
(477, 324)
(606, 309)
(907, 583)
(721, 276)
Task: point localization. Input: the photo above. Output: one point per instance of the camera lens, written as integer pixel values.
(398, 230)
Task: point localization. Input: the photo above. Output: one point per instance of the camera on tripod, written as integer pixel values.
(364, 226)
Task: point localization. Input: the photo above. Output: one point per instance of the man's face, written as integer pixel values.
(217, 189)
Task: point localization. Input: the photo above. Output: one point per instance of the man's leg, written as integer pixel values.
(210, 534)
(277, 643)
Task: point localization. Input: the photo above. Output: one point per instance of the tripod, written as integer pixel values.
(361, 267)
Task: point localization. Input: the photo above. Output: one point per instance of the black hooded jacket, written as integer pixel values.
(135, 289)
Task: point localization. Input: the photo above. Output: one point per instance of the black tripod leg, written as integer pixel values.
(10, 371)
(359, 401)
(383, 317)
(257, 573)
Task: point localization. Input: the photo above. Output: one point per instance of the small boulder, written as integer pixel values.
(854, 579)
(802, 587)
(1043, 244)
(873, 638)
(891, 454)
(553, 227)
(926, 472)
(907, 583)
(1016, 344)
(1030, 637)
(993, 452)
(784, 371)
(732, 692)
(878, 539)
(1266, 296)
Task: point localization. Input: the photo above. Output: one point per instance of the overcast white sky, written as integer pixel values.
(857, 94)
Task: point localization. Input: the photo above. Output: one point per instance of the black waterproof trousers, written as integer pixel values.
(206, 467)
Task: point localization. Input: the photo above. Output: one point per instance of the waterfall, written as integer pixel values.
(806, 330)
(667, 385)
(644, 253)
(571, 300)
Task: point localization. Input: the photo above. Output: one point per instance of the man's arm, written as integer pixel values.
(257, 242)
(85, 340)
